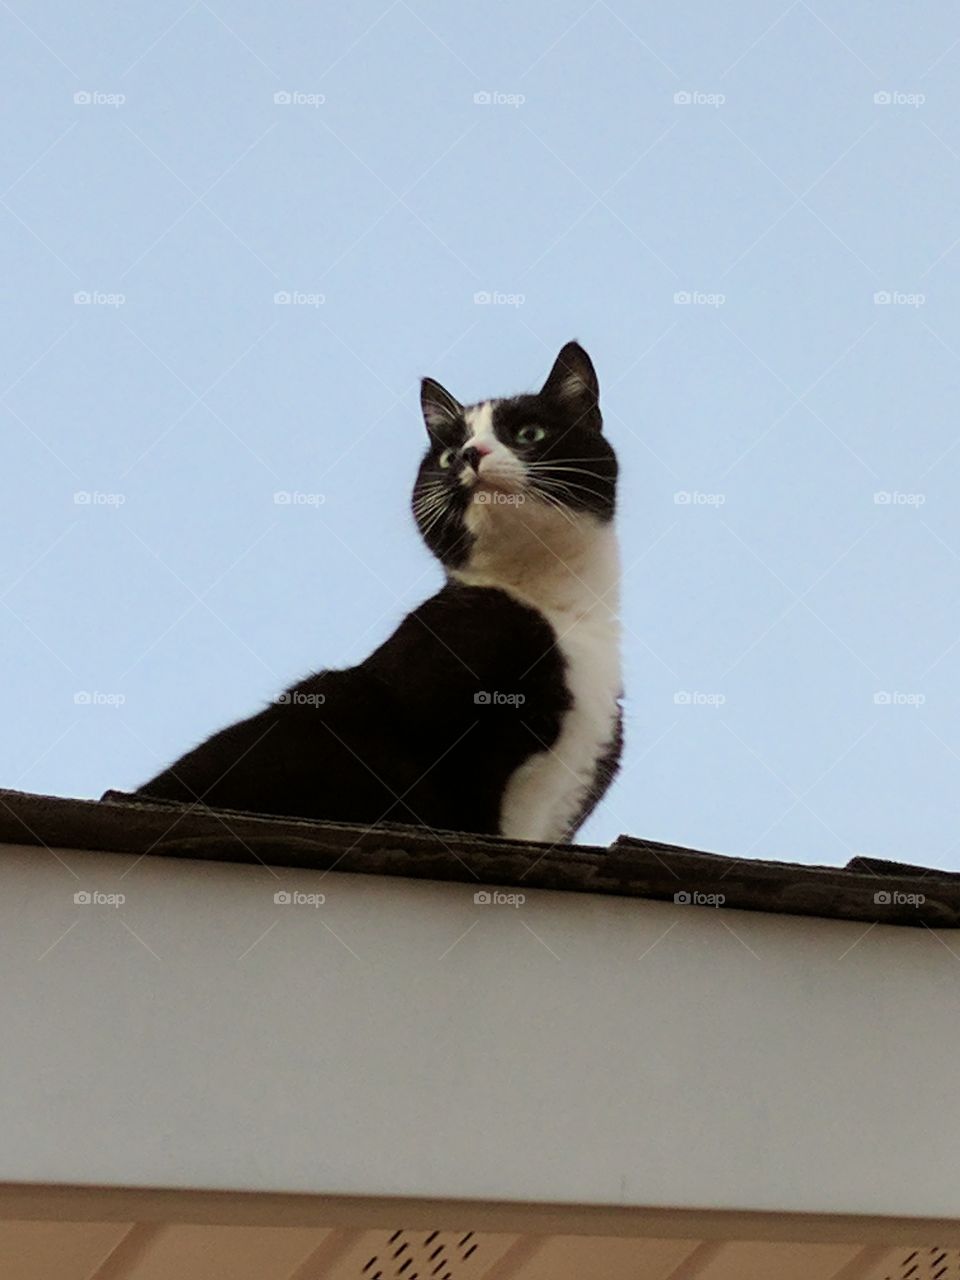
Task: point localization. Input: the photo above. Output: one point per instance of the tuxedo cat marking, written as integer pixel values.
(494, 706)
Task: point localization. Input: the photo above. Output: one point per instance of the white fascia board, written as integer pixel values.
(402, 1040)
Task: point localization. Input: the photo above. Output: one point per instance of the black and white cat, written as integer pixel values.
(494, 706)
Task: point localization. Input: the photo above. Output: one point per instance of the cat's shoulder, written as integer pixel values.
(469, 631)
(481, 605)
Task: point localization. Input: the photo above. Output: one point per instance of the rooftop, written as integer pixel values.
(866, 889)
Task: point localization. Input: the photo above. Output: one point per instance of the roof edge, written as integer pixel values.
(867, 890)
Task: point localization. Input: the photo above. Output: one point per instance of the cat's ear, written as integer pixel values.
(440, 410)
(573, 386)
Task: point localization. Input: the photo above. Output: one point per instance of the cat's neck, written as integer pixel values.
(564, 565)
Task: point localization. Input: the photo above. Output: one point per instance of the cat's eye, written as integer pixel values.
(530, 434)
(446, 458)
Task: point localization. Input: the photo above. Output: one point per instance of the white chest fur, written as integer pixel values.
(567, 569)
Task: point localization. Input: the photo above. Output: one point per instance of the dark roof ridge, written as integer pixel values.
(868, 889)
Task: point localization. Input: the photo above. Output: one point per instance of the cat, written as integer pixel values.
(495, 705)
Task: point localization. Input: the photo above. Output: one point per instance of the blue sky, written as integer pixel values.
(746, 214)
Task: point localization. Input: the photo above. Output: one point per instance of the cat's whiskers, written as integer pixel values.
(540, 467)
(561, 487)
(431, 522)
(554, 473)
(431, 487)
(555, 466)
(552, 501)
(554, 462)
(428, 501)
(428, 519)
(564, 489)
(433, 518)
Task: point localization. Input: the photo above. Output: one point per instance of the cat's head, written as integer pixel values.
(515, 460)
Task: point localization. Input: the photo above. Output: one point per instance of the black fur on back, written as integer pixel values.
(427, 730)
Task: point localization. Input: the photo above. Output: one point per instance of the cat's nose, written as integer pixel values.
(472, 456)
